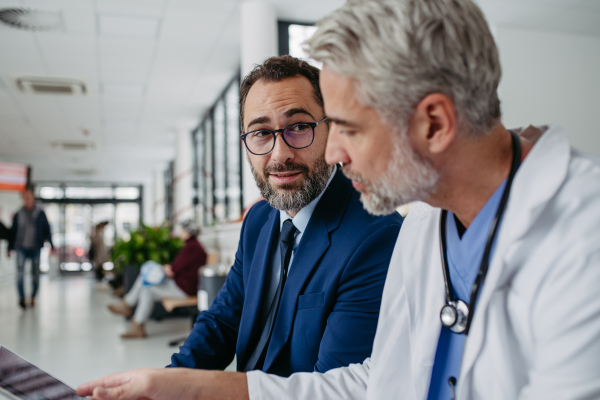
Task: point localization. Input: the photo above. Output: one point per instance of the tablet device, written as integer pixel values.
(21, 380)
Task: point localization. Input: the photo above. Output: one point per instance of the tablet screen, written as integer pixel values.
(27, 382)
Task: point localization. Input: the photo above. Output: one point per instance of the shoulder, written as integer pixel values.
(258, 211)
(574, 208)
(256, 218)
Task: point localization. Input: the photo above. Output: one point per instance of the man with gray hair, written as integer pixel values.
(492, 287)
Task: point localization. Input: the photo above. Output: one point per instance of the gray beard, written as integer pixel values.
(408, 178)
(285, 198)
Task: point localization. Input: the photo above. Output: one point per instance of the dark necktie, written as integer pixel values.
(286, 245)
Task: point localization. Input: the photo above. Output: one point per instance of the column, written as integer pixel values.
(258, 42)
(158, 198)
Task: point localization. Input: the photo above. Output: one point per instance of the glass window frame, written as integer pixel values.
(214, 172)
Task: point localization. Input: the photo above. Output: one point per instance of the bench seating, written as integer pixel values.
(171, 303)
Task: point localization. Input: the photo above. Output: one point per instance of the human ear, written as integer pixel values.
(434, 123)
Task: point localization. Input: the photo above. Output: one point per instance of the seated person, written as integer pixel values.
(305, 288)
(181, 280)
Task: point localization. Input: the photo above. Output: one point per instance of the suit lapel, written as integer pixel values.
(315, 242)
(249, 325)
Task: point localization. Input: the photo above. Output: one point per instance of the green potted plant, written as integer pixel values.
(144, 244)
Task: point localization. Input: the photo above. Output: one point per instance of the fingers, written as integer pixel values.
(109, 381)
(127, 391)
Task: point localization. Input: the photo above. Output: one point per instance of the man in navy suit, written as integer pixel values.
(305, 289)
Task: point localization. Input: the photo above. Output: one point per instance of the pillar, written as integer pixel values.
(258, 42)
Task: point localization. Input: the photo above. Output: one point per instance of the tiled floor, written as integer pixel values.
(72, 336)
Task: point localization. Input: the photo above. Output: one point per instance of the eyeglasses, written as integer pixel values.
(296, 136)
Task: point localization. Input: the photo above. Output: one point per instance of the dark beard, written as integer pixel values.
(289, 197)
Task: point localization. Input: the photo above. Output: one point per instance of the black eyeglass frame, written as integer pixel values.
(313, 125)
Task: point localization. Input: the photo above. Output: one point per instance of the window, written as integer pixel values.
(292, 35)
(218, 160)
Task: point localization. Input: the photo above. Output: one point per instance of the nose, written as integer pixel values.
(335, 151)
(281, 153)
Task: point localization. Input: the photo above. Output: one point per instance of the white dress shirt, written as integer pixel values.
(300, 221)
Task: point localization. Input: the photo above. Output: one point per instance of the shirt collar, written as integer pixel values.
(302, 219)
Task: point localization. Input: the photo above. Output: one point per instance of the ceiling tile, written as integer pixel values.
(130, 8)
(8, 107)
(12, 39)
(126, 47)
(120, 110)
(80, 22)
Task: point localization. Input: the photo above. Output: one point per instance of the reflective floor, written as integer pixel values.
(72, 336)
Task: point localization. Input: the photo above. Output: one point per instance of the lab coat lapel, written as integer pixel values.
(250, 330)
(537, 181)
(425, 299)
(315, 242)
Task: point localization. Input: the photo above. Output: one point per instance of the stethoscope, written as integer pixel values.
(456, 315)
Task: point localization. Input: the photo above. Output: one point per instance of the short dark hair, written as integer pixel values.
(276, 69)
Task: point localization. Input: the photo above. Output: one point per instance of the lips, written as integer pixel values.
(359, 186)
(285, 177)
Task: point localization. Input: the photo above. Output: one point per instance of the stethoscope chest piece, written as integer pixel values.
(455, 315)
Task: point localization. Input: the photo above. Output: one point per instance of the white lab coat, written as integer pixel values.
(536, 330)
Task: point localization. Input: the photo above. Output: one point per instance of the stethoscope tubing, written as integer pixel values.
(484, 265)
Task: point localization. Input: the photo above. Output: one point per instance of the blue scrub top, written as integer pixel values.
(464, 259)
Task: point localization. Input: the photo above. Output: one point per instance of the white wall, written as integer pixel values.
(551, 78)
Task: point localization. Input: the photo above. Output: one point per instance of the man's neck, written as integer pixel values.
(483, 164)
(293, 213)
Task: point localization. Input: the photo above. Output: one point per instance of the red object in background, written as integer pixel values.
(13, 176)
(79, 252)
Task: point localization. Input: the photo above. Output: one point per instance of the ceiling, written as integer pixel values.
(152, 68)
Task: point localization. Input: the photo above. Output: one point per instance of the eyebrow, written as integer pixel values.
(341, 122)
(289, 113)
(259, 120)
(293, 111)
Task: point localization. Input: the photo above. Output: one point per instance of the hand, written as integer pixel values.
(136, 384)
(167, 384)
(168, 270)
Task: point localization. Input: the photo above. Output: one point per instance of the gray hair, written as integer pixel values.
(190, 226)
(400, 51)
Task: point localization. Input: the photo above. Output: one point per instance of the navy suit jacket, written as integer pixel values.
(329, 307)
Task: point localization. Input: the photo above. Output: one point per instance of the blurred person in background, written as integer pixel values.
(4, 232)
(180, 281)
(98, 253)
(30, 230)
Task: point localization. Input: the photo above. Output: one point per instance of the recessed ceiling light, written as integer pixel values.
(128, 90)
(125, 25)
